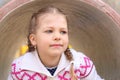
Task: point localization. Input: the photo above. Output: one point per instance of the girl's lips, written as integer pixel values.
(56, 45)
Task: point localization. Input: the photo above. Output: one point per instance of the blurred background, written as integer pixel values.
(113, 3)
(98, 36)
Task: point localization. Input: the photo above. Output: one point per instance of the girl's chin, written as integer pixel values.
(57, 52)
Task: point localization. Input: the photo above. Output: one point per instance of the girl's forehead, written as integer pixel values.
(45, 15)
(52, 17)
(52, 20)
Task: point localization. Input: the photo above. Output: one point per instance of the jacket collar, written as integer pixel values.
(32, 62)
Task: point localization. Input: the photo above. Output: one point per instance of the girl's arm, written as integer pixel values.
(93, 75)
(87, 67)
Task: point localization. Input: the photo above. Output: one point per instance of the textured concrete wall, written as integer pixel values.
(95, 32)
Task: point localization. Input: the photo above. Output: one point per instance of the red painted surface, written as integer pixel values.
(96, 3)
(10, 6)
(105, 8)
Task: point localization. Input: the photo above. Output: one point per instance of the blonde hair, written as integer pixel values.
(33, 27)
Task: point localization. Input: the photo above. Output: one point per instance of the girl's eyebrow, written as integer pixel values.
(48, 27)
(63, 28)
(53, 27)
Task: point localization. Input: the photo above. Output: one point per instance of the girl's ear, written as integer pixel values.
(32, 38)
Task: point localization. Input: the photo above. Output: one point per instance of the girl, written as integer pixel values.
(49, 56)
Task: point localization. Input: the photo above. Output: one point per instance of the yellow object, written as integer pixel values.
(70, 46)
(23, 49)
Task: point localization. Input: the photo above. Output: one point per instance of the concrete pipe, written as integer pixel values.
(94, 30)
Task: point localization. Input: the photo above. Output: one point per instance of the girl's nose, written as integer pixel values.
(57, 36)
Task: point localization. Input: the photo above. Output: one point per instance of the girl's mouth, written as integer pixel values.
(56, 45)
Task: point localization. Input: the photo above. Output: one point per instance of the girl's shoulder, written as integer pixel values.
(82, 63)
(16, 64)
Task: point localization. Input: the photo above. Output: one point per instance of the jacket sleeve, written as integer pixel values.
(93, 75)
(88, 70)
(85, 68)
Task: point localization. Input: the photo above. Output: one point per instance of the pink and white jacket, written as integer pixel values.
(29, 67)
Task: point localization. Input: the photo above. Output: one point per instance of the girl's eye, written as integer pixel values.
(48, 31)
(63, 32)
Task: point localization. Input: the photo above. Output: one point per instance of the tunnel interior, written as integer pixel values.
(91, 32)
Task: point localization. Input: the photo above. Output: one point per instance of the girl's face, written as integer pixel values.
(51, 37)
